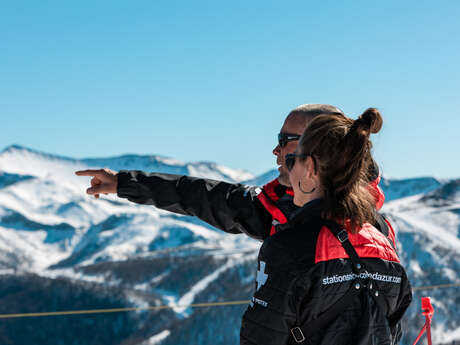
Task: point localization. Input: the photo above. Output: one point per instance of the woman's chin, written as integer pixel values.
(298, 202)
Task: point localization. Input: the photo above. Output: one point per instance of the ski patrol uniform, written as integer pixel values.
(293, 262)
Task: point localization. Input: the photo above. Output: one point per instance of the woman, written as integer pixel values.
(329, 276)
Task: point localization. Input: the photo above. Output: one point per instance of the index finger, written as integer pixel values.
(89, 172)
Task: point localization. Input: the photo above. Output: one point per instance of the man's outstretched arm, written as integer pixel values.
(233, 208)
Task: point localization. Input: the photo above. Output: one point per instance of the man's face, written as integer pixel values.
(294, 124)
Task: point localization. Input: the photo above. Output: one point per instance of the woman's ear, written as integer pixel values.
(310, 167)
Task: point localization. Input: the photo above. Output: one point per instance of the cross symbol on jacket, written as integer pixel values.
(261, 276)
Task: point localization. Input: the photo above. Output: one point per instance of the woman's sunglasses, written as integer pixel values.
(290, 158)
(284, 138)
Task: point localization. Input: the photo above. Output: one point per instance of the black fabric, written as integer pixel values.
(233, 208)
(293, 290)
(374, 171)
(359, 267)
(307, 330)
(384, 228)
(280, 190)
(303, 332)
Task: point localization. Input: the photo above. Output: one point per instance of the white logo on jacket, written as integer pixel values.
(261, 276)
(366, 275)
(261, 279)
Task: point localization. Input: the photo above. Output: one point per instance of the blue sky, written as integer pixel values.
(210, 80)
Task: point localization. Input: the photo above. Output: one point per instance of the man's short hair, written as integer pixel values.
(309, 111)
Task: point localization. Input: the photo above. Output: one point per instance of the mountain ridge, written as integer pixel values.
(147, 256)
(131, 162)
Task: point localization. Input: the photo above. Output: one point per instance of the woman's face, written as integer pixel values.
(305, 180)
(296, 177)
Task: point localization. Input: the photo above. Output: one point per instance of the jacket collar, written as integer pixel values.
(303, 214)
(310, 209)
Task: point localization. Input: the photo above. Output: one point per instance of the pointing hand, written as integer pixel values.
(104, 181)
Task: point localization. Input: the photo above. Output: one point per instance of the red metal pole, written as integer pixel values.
(428, 311)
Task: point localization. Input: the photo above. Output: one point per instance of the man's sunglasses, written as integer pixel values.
(290, 158)
(284, 138)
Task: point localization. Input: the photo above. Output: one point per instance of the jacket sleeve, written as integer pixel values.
(404, 300)
(233, 208)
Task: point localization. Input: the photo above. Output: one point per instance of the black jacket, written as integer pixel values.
(304, 270)
(293, 262)
(233, 208)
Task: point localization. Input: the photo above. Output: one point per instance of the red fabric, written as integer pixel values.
(273, 210)
(269, 188)
(269, 203)
(377, 193)
(368, 243)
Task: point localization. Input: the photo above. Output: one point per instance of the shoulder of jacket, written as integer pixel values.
(369, 242)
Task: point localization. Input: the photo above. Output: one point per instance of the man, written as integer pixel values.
(233, 208)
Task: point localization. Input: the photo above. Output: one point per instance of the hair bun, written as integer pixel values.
(371, 121)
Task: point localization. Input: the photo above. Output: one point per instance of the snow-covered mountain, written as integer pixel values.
(262, 179)
(429, 245)
(20, 160)
(43, 203)
(61, 249)
(401, 188)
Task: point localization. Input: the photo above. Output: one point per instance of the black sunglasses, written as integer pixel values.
(290, 158)
(284, 138)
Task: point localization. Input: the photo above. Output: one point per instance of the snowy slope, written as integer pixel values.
(48, 220)
(428, 228)
(263, 179)
(53, 234)
(50, 227)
